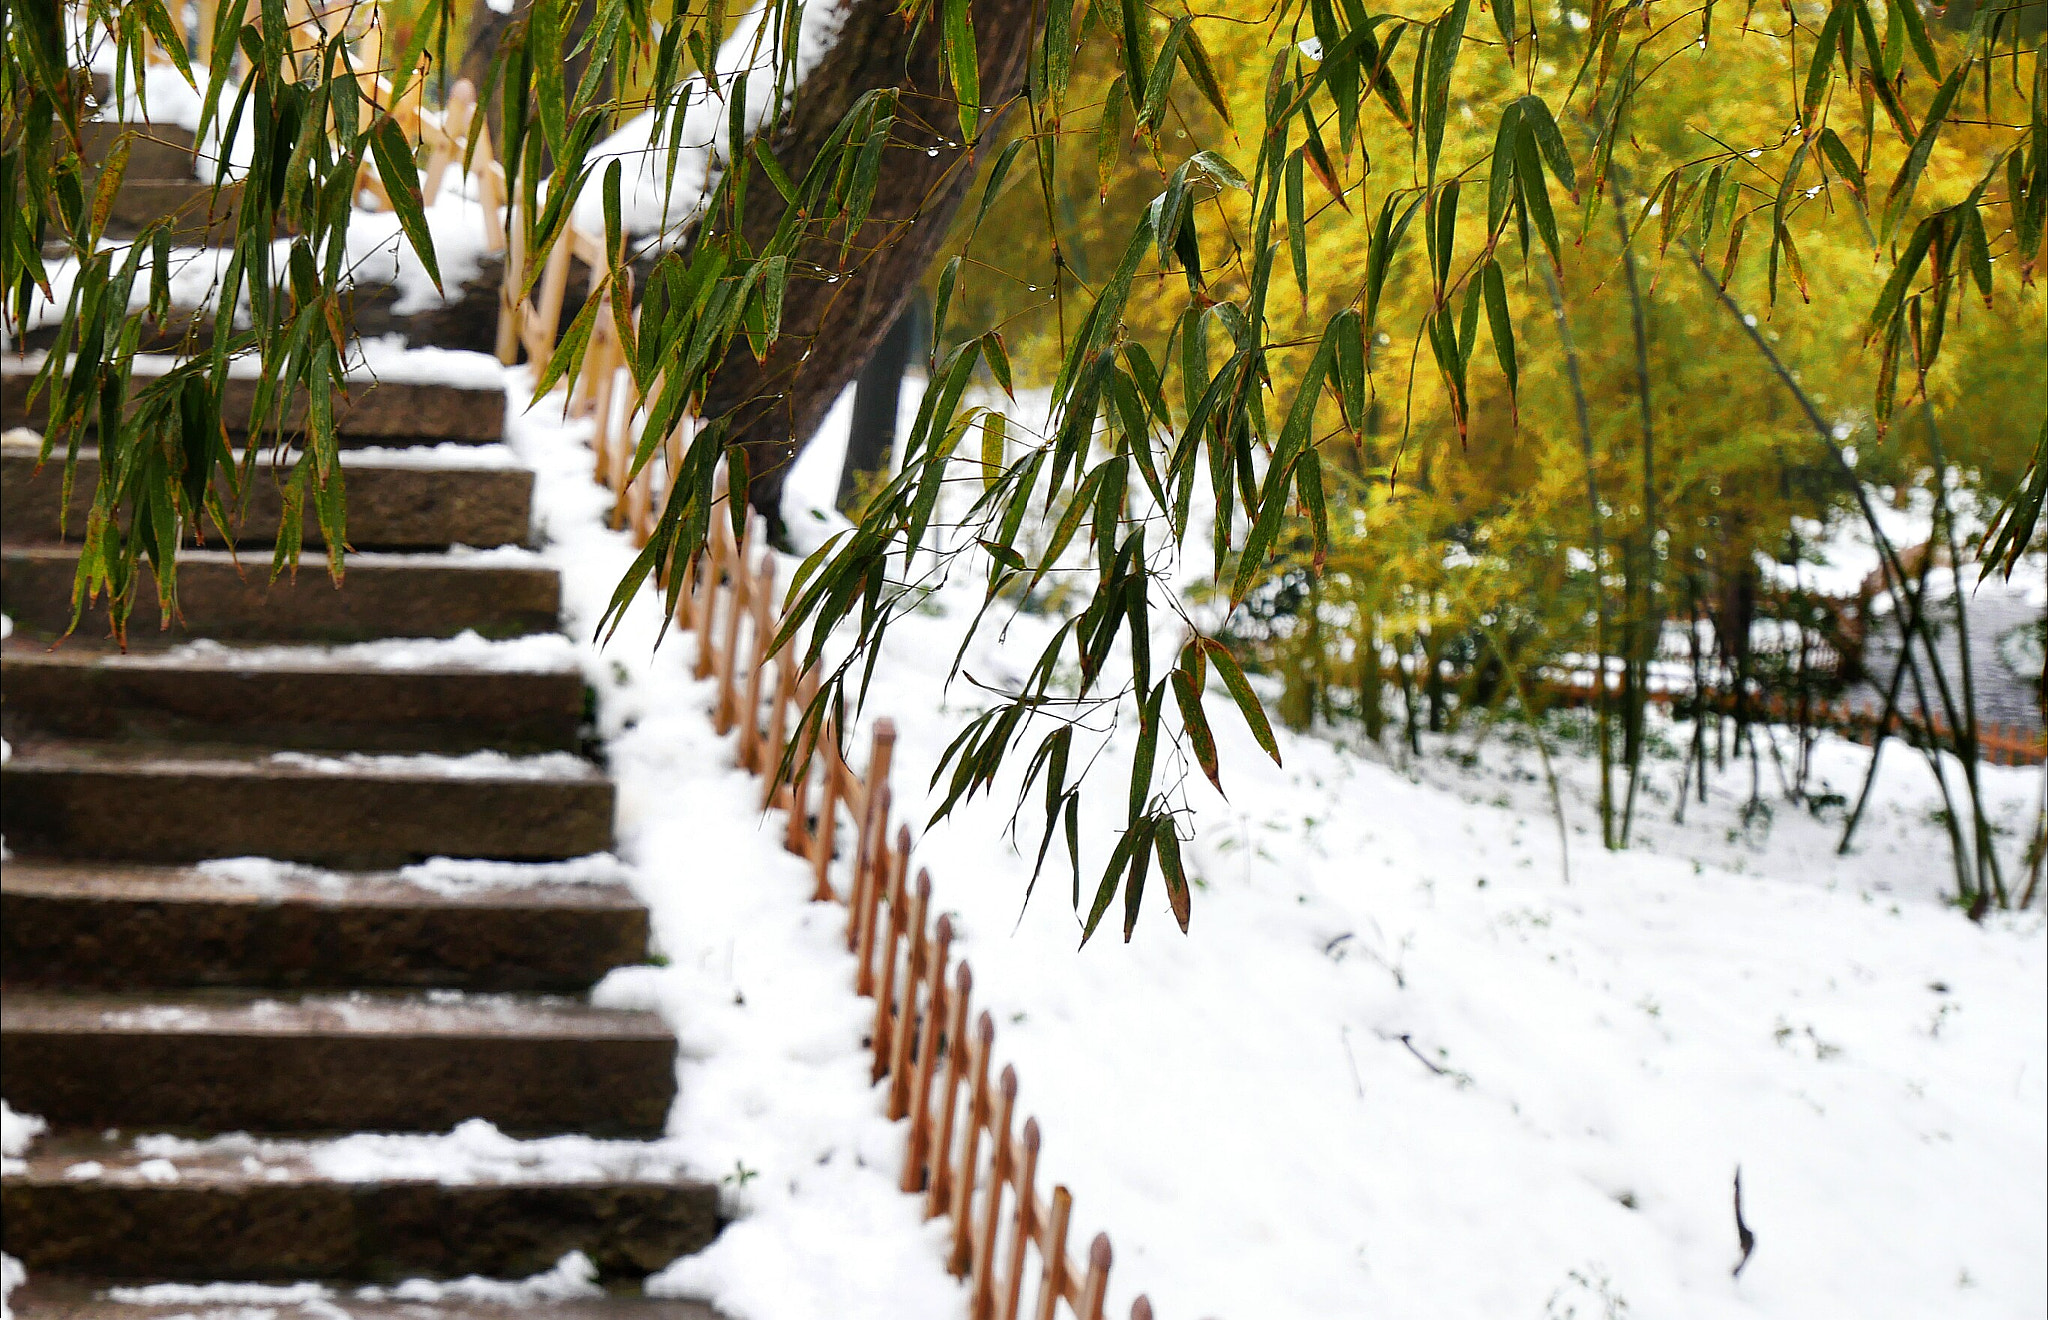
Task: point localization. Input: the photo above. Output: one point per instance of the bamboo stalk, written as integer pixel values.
(920, 1099)
(891, 1034)
(992, 1203)
(1052, 1249)
(940, 1154)
(761, 590)
(712, 560)
(969, 1164)
(511, 308)
(798, 840)
(1022, 1229)
(1097, 1283)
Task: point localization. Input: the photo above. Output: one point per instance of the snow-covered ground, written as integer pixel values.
(1402, 1065)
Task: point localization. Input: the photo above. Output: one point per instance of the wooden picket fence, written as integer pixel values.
(964, 1153)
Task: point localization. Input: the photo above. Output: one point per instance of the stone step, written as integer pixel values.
(155, 151)
(488, 926)
(242, 1060)
(199, 216)
(92, 1206)
(57, 1297)
(371, 698)
(148, 803)
(463, 406)
(395, 501)
(223, 596)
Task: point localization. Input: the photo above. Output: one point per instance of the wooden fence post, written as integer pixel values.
(1052, 1249)
(778, 723)
(1025, 1225)
(869, 885)
(969, 1167)
(761, 589)
(940, 1153)
(992, 1203)
(1097, 1282)
(920, 1097)
(725, 706)
(881, 749)
(891, 1034)
(828, 812)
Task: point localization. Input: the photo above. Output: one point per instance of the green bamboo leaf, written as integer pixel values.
(1502, 326)
(1916, 32)
(1820, 71)
(1308, 485)
(1241, 692)
(1194, 57)
(1550, 142)
(1901, 195)
(776, 174)
(1348, 335)
(1168, 845)
(1529, 185)
(1109, 138)
(940, 303)
(994, 447)
(1297, 225)
(1500, 187)
(962, 63)
(1160, 82)
(1131, 38)
(402, 182)
(993, 187)
(1188, 696)
(544, 43)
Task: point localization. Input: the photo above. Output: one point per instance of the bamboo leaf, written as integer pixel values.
(1187, 695)
(962, 63)
(1241, 692)
(402, 183)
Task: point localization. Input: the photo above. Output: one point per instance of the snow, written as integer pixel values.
(660, 191)
(446, 875)
(472, 765)
(18, 1132)
(573, 1276)
(534, 653)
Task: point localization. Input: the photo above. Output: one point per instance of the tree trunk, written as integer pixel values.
(829, 328)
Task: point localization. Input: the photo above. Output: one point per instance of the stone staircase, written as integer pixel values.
(267, 1070)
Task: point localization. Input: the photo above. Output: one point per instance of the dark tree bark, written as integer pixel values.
(829, 329)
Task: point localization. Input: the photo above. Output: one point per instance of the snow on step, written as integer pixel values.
(192, 803)
(471, 1201)
(253, 922)
(381, 1061)
(383, 595)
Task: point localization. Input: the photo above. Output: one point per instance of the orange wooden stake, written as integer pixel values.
(1024, 1226)
(992, 1202)
(969, 1168)
(920, 1097)
(888, 1015)
(1052, 1248)
(940, 1153)
(1097, 1283)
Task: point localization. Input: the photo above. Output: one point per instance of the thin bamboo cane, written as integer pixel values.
(554, 283)
(968, 1168)
(1052, 1249)
(1089, 1307)
(891, 1031)
(992, 1202)
(760, 591)
(511, 307)
(798, 838)
(1023, 1228)
(920, 1098)
(939, 1154)
(455, 120)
